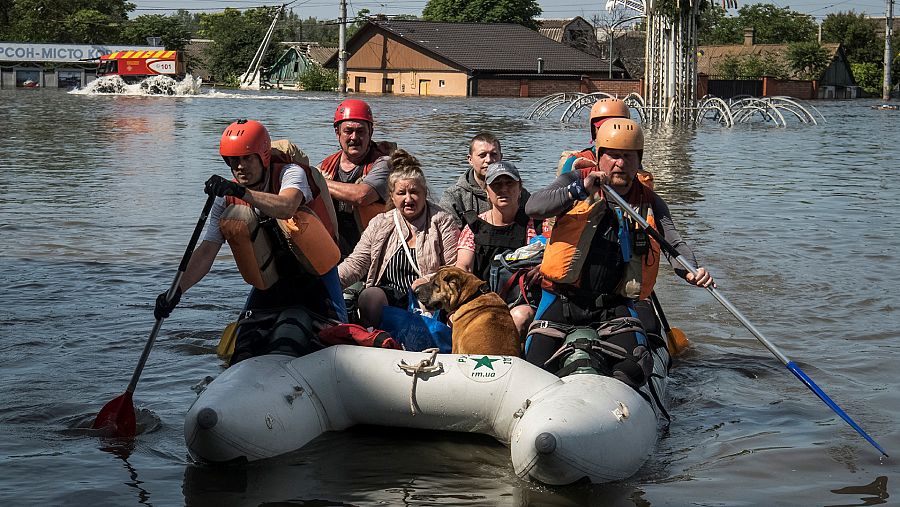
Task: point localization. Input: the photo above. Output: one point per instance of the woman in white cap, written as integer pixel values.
(501, 229)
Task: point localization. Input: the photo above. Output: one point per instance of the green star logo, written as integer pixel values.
(484, 361)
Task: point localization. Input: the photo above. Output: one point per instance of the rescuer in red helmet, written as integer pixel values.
(357, 174)
(260, 213)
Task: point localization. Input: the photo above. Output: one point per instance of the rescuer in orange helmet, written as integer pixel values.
(357, 174)
(599, 266)
(259, 213)
(601, 111)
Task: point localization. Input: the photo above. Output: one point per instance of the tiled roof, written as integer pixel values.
(488, 47)
(321, 54)
(709, 57)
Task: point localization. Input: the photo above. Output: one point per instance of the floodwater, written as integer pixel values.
(100, 195)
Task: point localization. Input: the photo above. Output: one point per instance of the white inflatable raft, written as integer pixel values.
(558, 430)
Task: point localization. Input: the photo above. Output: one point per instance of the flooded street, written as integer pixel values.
(100, 195)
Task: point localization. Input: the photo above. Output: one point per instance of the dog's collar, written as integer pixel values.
(482, 290)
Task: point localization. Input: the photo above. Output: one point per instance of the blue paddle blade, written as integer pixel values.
(834, 406)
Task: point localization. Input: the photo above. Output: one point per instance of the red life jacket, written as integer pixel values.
(332, 164)
(353, 334)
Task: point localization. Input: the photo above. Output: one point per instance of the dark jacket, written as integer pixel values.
(466, 195)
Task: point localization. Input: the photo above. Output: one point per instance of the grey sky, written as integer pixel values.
(328, 9)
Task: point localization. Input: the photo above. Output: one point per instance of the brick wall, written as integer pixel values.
(542, 87)
(798, 89)
(534, 87)
(616, 87)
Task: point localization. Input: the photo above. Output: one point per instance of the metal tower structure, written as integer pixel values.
(670, 57)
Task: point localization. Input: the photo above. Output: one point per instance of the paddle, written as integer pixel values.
(226, 343)
(118, 414)
(677, 341)
(734, 311)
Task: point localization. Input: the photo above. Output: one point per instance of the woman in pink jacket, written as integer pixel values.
(411, 240)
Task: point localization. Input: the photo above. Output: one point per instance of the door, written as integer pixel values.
(423, 86)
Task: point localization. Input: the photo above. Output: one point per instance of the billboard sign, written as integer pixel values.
(60, 53)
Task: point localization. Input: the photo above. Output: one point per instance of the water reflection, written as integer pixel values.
(372, 465)
(874, 493)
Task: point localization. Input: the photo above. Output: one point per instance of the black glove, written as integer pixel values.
(163, 307)
(219, 186)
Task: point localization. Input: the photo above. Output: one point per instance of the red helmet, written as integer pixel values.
(244, 137)
(353, 109)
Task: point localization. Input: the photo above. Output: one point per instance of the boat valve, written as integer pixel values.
(545, 443)
(207, 418)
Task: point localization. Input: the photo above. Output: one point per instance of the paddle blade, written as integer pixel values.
(226, 344)
(677, 342)
(117, 417)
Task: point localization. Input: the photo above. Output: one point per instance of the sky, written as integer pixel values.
(328, 9)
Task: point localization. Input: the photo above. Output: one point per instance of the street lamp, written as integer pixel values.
(609, 35)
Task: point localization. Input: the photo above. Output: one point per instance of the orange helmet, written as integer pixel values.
(353, 109)
(244, 137)
(604, 109)
(620, 134)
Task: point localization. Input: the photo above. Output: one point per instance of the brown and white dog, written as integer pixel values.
(479, 318)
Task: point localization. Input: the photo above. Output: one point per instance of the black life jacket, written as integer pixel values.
(604, 266)
(491, 240)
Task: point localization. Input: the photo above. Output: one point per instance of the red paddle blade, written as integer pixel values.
(117, 417)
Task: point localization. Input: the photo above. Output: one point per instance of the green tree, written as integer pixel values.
(773, 25)
(808, 59)
(868, 76)
(715, 28)
(729, 67)
(236, 36)
(856, 33)
(313, 30)
(78, 21)
(170, 28)
(190, 21)
(521, 12)
(91, 26)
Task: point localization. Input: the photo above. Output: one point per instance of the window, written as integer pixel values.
(388, 86)
(441, 83)
(28, 78)
(68, 79)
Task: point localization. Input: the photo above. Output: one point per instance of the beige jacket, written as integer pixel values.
(435, 247)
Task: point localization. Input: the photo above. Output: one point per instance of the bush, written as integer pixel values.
(750, 67)
(318, 79)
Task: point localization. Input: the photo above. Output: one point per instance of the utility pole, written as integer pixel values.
(342, 49)
(888, 54)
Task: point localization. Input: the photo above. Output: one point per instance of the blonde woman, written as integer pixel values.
(412, 239)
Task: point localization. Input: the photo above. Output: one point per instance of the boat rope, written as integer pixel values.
(427, 365)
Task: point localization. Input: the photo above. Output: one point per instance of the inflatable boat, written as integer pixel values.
(559, 430)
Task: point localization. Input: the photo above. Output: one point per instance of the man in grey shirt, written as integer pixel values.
(468, 194)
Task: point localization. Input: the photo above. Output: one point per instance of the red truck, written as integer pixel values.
(134, 66)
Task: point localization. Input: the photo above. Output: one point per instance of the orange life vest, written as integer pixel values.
(308, 237)
(331, 165)
(573, 232)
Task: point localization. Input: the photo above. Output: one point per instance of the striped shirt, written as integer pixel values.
(399, 273)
